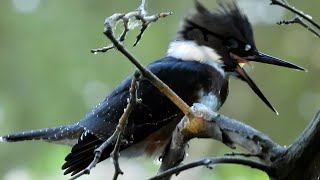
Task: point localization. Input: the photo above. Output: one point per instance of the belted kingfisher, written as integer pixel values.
(209, 48)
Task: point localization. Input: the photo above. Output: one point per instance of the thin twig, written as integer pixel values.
(242, 154)
(298, 18)
(117, 134)
(115, 157)
(302, 23)
(211, 161)
(139, 14)
(295, 11)
(123, 123)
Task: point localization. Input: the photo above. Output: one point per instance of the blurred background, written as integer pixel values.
(49, 78)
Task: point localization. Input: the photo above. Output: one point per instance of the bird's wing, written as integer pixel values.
(177, 74)
(186, 78)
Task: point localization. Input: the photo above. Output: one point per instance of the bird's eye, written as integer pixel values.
(247, 47)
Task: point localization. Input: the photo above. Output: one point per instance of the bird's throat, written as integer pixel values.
(191, 51)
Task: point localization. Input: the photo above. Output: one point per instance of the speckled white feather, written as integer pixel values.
(190, 51)
(210, 101)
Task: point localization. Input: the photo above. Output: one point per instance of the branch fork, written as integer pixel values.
(139, 14)
(299, 17)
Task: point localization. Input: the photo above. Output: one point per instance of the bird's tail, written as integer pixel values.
(60, 135)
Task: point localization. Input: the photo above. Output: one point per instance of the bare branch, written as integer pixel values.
(212, 161)
(123, 122)
(117, 134)
(298, 18)
(146, 21)
(139, 14)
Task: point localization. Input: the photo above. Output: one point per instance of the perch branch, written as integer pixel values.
(229, 131)
(298, 161)
(117, 134)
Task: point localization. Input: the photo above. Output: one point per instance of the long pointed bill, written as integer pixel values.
(244, 76)
(264, 58)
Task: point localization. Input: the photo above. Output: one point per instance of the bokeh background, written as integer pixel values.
(48, 77)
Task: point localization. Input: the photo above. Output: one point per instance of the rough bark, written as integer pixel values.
(301, 160)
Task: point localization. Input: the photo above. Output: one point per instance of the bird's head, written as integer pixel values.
(225, 38)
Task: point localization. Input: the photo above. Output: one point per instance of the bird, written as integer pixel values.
(209, 48)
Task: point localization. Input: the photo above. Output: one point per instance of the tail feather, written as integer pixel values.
(82, 154)
(61, 135)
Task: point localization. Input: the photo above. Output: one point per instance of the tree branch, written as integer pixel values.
(300, 160)
(298, 18)
(229, 131)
